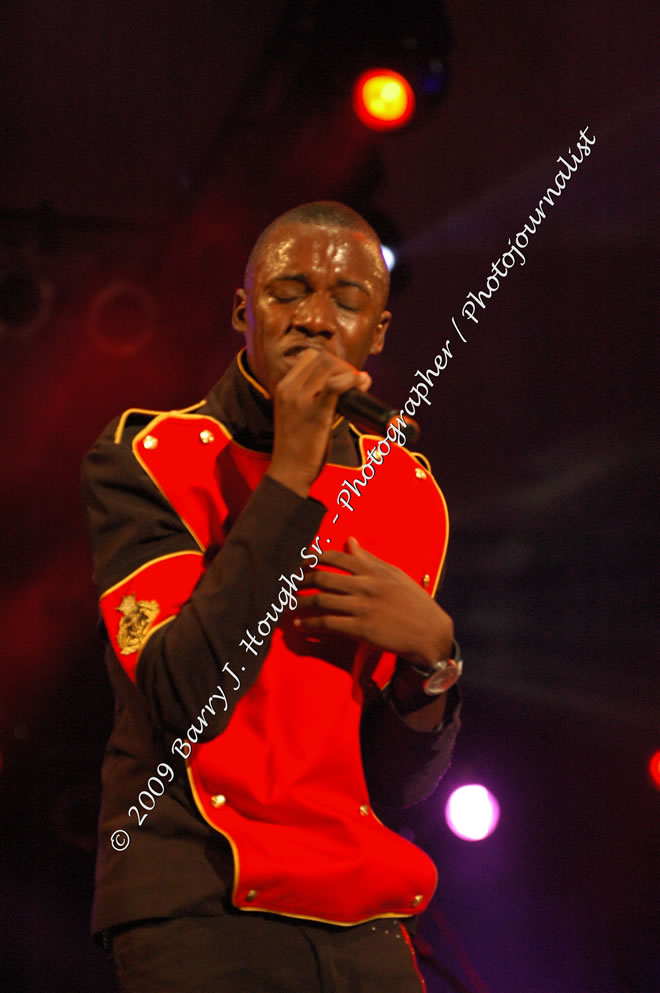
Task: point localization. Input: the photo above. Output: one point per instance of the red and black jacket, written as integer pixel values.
(191, 541)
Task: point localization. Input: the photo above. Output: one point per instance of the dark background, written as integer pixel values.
(144, 147)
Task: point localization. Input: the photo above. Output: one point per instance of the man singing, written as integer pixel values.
(279, 663)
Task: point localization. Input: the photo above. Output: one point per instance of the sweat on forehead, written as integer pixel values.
(324, 214)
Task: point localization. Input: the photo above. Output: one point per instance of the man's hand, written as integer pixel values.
(304, 409)
(379, 603)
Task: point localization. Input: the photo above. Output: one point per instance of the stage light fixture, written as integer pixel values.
(390, 59)
(25, 301)
(472, 812)
(383, 99)
(654, 769)
(122, 318)
(389, 255)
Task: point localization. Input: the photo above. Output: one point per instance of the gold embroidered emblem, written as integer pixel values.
(134, 625)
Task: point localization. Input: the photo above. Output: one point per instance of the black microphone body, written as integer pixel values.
(370, 414)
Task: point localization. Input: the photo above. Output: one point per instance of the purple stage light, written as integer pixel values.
(472, 812)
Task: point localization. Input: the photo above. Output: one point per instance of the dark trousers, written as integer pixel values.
(258, 953)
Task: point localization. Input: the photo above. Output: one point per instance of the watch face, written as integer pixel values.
(442, 678)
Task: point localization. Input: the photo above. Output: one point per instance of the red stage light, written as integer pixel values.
(383, 99)
(654, 769)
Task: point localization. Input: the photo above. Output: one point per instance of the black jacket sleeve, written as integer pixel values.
(131, 524)
(403, 766)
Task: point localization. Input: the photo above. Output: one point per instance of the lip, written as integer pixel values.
(294, 350)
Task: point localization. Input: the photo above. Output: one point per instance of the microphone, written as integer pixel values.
(370, 414)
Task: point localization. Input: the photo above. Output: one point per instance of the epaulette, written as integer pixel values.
(140, 417)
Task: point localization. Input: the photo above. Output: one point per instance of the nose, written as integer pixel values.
(315, 315)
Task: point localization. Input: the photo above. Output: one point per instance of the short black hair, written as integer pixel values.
(323, 213)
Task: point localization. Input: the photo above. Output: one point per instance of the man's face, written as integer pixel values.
(312, 286)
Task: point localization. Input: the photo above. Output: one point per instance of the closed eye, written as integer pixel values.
(349, 297)
(286, 297)
(288, 289)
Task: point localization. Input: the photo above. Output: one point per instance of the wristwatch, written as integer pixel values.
(442, 675)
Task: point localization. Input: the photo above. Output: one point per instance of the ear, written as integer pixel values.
(238, 311)
(378, 342)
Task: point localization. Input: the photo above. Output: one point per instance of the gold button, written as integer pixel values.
(420, 473)
(206, 437)
(364, 809)
(416, 900)
(218, 800)
(150, 441)
(251, 895)
(426, 580)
